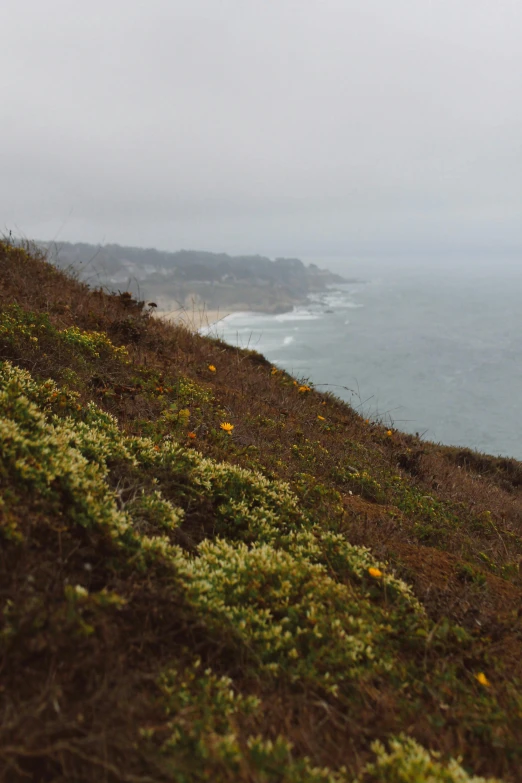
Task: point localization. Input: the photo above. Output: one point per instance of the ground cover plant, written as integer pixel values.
(211, 571)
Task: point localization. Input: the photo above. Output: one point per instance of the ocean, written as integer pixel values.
(428, 349)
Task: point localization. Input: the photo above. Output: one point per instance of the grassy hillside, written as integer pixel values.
(209, 571)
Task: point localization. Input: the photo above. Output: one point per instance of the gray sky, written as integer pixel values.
(303, 127)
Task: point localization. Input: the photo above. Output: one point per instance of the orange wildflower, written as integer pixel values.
(481, 677)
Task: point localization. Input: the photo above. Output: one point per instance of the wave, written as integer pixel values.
(297, 315)
(337, 300)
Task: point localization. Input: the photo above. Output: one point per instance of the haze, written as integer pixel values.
(302, 127)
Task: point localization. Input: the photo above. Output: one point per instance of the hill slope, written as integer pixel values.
(210, 571)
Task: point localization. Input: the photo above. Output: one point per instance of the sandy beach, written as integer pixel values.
(194, 319)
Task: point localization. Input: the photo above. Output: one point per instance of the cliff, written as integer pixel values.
(210, 571)
(186, 278)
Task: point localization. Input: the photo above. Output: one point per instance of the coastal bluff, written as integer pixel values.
(196, 280)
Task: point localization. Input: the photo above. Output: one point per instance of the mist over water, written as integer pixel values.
(429, 349)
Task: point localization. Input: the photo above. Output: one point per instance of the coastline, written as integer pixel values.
(203, 318)
(200, 317)
(195, 319)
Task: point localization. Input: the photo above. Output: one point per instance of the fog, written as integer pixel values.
(327, 129)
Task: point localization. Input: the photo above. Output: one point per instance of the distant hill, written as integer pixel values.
(180, 279)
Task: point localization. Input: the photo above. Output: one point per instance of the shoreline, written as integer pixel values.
(196, 320)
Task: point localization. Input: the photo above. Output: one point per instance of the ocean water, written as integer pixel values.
(436, 351)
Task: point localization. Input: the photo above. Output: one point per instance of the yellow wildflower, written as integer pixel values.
(274, 371)
(389, 433)
(375, 572)
(227, 427)
(481, 677)
(321, 418)
(304, 388)
(211, 368)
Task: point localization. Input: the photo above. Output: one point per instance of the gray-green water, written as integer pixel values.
(434, 351)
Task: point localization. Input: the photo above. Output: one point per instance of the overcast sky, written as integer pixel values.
(297, 127)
